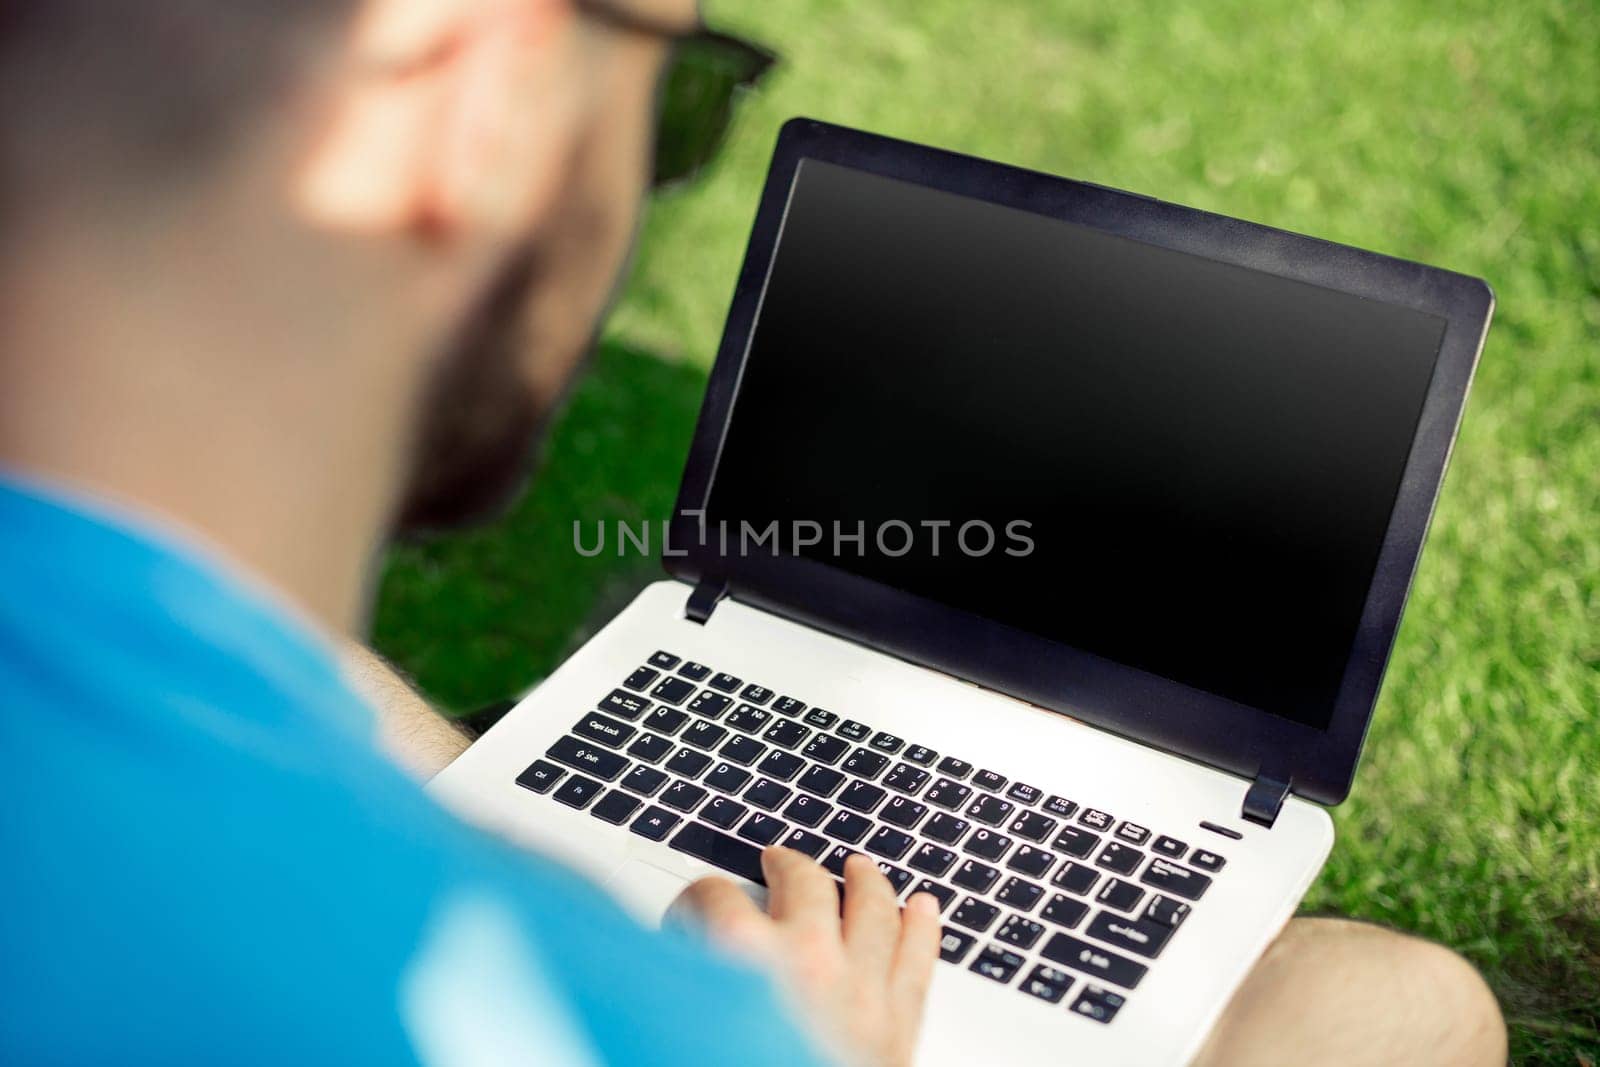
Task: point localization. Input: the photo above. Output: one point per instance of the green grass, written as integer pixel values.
(1466, 134)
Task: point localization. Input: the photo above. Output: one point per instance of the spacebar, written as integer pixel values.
(729, 853)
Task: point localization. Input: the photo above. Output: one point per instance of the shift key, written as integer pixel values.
(1092, 960)
(584, 756)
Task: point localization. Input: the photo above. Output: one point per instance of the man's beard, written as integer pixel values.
(481, 419)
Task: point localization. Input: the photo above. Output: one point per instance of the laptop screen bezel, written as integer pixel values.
(1318, 763)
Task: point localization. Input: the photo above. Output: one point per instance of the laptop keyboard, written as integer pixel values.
(1037, 891)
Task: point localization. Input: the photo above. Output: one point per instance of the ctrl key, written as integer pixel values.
(998, 963)
(540, 776)
(1098, 1004)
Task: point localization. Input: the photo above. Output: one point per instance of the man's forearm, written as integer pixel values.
(413, 732)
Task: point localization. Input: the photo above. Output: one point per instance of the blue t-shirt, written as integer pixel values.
(205, 858)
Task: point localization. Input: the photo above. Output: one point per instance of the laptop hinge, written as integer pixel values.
(703, 600)
(1264, 799)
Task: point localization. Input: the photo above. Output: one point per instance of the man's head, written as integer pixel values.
(423, 204)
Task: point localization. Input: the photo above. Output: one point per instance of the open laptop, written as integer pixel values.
(1043, 541)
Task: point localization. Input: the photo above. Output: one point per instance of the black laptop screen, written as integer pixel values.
(1179, 465)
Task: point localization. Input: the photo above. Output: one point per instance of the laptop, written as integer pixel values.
(1044, 542)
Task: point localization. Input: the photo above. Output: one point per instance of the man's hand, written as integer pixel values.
(413, 733)
(860, 981)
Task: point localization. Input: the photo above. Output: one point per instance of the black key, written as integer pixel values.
(763, 829)
(989, 780)
(1092, 960)
(756, 694)
(1033, 862)
(695, 672)
(906, 779)
(767, 794)
(1096, 819)
(650, 748)
(866, 764)
(786, 733)
(654, 823)
(946, 828)
(954, 945)
(742, 749)
(540, 776)
(822, 720)
(898, 877)
(725, 682)
(644, 780)
(921, 755)
(702, 734)
(943, 892)
(604, 729)
(689, 763)
(1020, 931)
(1024, 794)
(1101, 1005)
(975, 876)
(1133, 833)
(1047, 983)
(709, 704)
(833, 862)
(1064, 911)
(723, 812)
(781, 765)
(1060, 806)
(788, 706)
(665, 720)
(1019, 894)
(823, 781)
(1033, 826)
(825, 748)
(931, 859)
(889, 842)
(805, 841)
(1167, 911)
(807, 810)
(1119, 857)
(640, 678)
(665, 660)
(720, 850)
(1076, 878)
(902, 812)
(847, 826)
(747, 718)
(684, 796)
(947, 794)
(855, 731)
(624, 704)
(954, 768)
(1076, 842)
(1169, 877)
(887, 742)
(1124, 896)
(998, 963)
(726, 778)
(990, 809)
(1138, 936)
(988, 844)
(1170, 846)
(1207, 861)
(673, 690)
(582, 756)
(577, 791)
(616, 807)
(975, 914)
(861, 796)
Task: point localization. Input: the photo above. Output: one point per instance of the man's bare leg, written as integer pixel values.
(1343, 993)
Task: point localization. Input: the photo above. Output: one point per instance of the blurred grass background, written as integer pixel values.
(1464, 134)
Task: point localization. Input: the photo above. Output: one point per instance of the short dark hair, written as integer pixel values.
(143, 88)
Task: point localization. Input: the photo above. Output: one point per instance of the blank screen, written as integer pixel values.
(1204, 457)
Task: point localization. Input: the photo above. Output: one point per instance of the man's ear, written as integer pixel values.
(449, 119)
